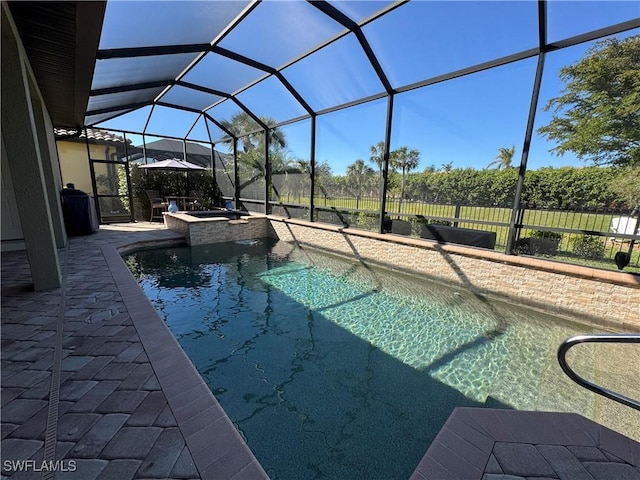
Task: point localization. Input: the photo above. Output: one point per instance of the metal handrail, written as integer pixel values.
(597, 338)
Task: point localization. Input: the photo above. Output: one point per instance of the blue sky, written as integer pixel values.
(463, 121)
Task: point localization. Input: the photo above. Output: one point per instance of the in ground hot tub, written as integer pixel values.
(230, 214)
(217, 226)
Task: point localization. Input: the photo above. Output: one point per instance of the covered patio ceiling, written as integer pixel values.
(196, 65)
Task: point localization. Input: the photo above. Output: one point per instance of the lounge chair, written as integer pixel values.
(400, 227)
(157, 203)
(624, 226)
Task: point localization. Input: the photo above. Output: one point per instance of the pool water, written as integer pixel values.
(333, 369)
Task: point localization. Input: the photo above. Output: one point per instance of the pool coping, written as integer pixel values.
(217, 448)
(187, 218)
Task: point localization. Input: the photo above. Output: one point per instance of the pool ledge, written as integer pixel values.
(217, 449)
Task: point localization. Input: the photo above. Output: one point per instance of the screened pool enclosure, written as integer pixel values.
(395, 117)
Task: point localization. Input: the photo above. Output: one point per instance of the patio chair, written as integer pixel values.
(623, 226)
(157, 203)
(194, 201)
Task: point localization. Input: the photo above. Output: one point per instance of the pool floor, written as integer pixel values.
(334, 369)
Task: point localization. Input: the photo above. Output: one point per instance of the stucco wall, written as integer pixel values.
(74, 164)
(575, 292)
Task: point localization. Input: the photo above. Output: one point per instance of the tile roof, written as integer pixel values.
(92, 133)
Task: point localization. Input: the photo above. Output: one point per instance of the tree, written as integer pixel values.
(447, 167)
(323, 176)
(627, 186)
(377, 157)
(251, 159)
(250, 133)
(598, 114)
(358, 173)
(504, 158)
(405, 159)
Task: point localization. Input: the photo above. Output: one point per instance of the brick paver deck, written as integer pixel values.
(488, 444)
(92, 378)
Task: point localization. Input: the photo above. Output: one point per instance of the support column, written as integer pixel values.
(236, 176)
(267, 173)
(51, 171)
(312, 170)
(517, 203)
(384, 181)
(20, 148)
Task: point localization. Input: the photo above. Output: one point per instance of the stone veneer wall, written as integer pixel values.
(606, 298)
(202, 231)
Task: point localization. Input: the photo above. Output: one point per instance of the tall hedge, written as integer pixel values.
(550, 187)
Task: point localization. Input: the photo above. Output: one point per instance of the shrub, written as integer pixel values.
(418, 221)
(539, 243)
(536, 246)
(589, 247)
(367, 221)
(171, 183)
(548, 235)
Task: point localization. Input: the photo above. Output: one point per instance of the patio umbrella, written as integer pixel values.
(176, 165)
(173, 164)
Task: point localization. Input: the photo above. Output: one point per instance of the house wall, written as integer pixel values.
(74, 164)
(605, 298)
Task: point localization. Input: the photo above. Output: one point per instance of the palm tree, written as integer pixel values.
(447, 167)
(251, 159)
(504, 158)
(377, 157)
(358, 173)
(246, 128)
(406, 160)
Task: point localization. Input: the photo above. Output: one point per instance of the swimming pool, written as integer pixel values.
(334, 369)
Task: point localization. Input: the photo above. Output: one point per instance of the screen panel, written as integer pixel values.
(568, 19)
(420, 40)
(276, 24)
(143, 24)
(337, 74)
